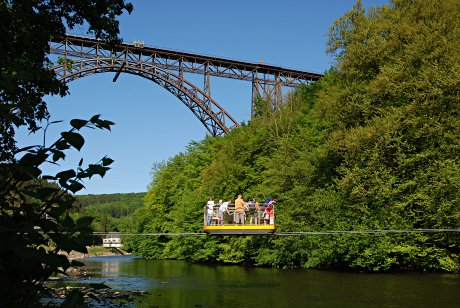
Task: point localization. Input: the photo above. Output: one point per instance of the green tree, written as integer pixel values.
(394, 107)
(111, 212)
(373, 145)
(34, 215)
(26, 27)
(35, 221)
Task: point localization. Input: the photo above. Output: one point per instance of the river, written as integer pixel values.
(182, 284)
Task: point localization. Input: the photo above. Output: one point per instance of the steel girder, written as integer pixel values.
(85, 47)
(216, 120)
(166, 67)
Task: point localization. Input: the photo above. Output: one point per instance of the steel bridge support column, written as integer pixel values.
(207, 85)
(181, 72)
(277, 100)
(255, 94)
(268, 90)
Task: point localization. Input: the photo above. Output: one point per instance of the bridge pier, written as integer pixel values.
(207, 85)
(267, 89)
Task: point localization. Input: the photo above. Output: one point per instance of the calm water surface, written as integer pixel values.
(181, 284)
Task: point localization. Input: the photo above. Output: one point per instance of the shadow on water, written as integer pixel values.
(182, 284)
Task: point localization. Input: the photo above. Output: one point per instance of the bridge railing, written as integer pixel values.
(262, 216)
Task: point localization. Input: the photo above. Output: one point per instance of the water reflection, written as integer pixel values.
(182, 284)
(110, 269)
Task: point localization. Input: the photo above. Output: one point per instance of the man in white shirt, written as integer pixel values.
(210, 210)
(222, 209)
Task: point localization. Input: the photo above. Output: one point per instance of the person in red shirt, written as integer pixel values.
(269, 212)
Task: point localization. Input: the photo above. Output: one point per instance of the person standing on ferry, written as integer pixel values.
(254, 211)
(223, 208)
(269, 213)
(210, 210)
(239, 210)
(267, 201)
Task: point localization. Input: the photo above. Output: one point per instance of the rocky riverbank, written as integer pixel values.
(84, 293)
(95, 251)
(92, 295)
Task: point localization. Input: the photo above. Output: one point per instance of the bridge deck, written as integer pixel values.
(175, 55)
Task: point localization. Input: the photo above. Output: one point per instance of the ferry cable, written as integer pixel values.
(300, 233)
(293, 233)
(151, 234)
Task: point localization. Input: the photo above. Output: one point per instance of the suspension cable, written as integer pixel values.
(151, 234)
(366, 232)
(294, 233)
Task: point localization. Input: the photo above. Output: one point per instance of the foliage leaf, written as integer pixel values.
(78, 123)
(74, 139)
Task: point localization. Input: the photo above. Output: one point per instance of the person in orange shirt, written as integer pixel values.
(239, 210)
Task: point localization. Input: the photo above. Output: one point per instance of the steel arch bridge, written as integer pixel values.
(84, 56)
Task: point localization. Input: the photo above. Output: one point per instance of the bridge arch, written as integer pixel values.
(216, 120)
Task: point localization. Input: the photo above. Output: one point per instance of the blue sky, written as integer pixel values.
(152, 124)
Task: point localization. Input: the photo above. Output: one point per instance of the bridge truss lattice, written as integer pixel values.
(85, 56)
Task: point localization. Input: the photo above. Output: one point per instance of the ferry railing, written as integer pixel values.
(264, 217)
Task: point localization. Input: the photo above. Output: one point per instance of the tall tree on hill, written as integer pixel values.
(394, 106)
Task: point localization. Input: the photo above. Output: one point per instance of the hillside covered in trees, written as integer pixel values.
(374, 145)
(111, 212)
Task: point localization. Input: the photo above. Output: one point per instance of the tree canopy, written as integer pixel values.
(34, 207)
(111, 212)
(374, 145)
(26, 27)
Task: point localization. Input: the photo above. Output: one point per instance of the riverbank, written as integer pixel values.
(91, 295)
(78, 289)
(96, 251)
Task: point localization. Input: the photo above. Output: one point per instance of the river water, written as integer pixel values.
(182, 284)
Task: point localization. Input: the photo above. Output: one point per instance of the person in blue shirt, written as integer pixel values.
(267, 202)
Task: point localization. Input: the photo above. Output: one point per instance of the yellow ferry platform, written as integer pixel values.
(239, 229)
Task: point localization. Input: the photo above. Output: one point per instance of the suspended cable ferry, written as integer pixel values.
(225, 222)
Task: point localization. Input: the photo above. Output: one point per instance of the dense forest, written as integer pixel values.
(374, 145)
(111, 212)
